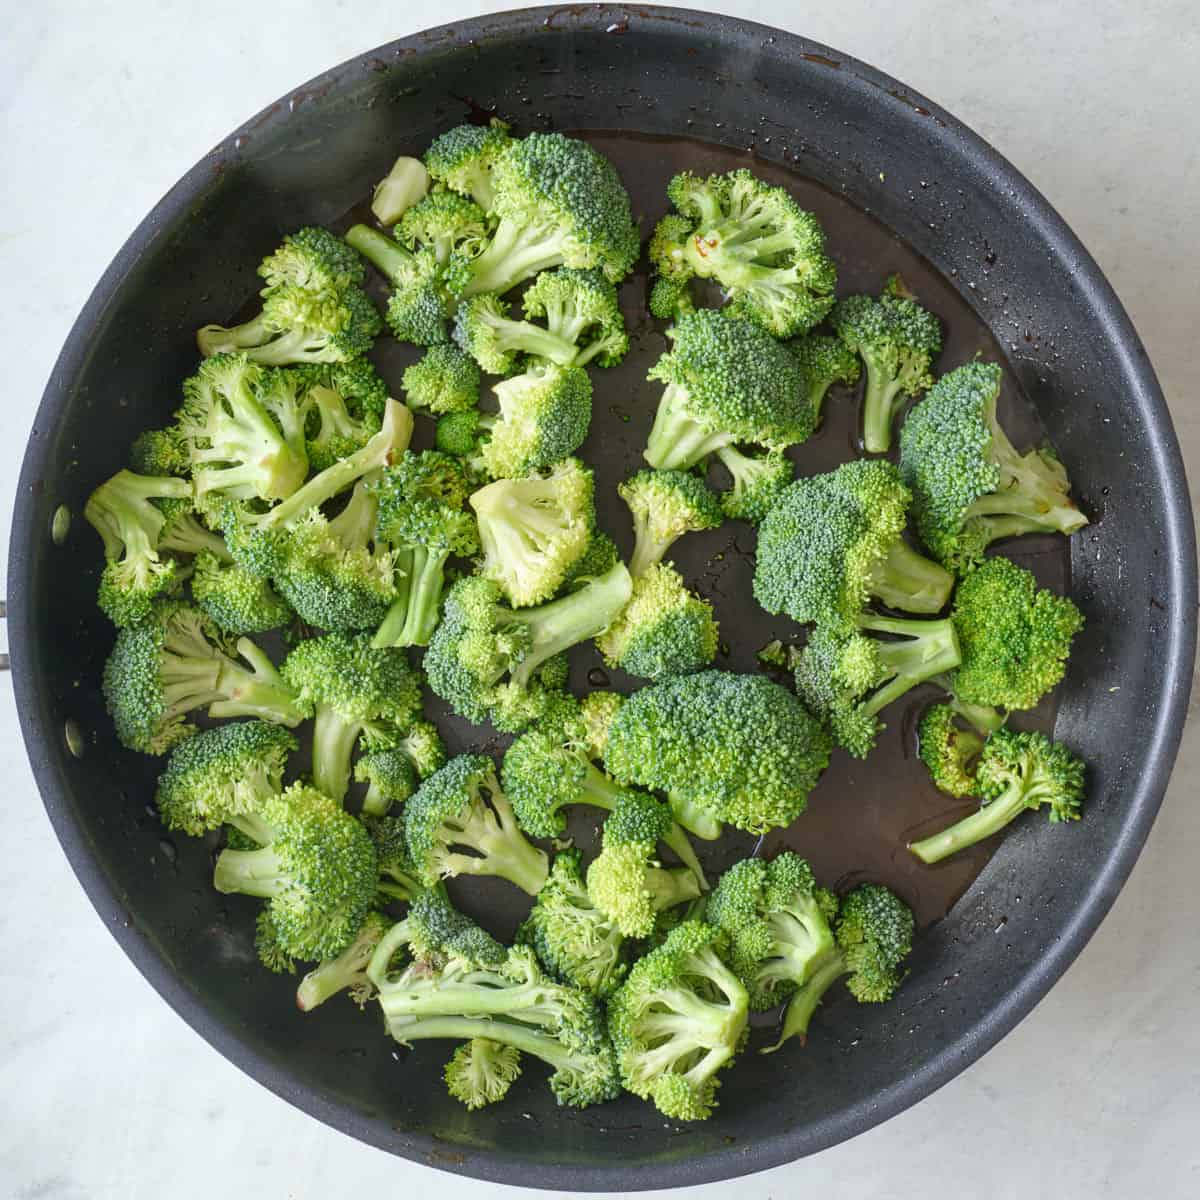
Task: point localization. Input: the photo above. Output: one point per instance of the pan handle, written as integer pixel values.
(4, 663)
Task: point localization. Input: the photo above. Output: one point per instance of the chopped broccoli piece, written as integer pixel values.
(399, 190)
(679, 1017)
(463, 158)
(445, 380)
(459, 822)
(481, 1071)
(446, 223)
(725, 748)
(970, 485)
(824, 361)
(766, 252)
(663, 630)
(460, 433)
(758, 481)
(949, 750)
(534, 529)
(665, 505)
(726, 381)
(159, 452)
(236, 600)
(597, 711)
(599, 557)
(314, 259)
(390, 778)
(397, 875)
(346, 402)
(347, 971)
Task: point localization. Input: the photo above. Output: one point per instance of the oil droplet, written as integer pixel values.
(74, 738)
(60, 524)
(598, 677)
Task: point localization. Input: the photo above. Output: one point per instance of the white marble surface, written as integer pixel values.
(105, 1093)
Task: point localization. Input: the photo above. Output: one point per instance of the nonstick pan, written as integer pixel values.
(887, 169)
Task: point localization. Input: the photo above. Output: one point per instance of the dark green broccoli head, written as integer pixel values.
(824, 361)
(949, 751)
(159, 452)
(544, 417)
(874, 934)
(1030, 769)
(458, 434)
(580, 308)
(599, 557)
(235, 599)
(444, 380)
(463, 157)
(314, 259)
(758, 481)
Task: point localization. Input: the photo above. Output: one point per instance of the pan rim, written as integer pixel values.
(43, 740)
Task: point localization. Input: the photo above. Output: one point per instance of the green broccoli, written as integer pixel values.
(573, 939)
(1015, 637)
(235, 445)
(224, 776)
(846, 677)
(824, 361)
(597, 711)
(159, 452)
(778, 923)
(448, 224)
(663, 630)
(679, 1017)
(166, 666)
(314, 259)
(347, 971)
(397, 875)
(345, 405)
(405, 184)
(438, 976)
(765, 251)
(559, 203)
(317, 870)
(534, 529)
(463, 158)
(423, 516)
(970, 485)
(873, 935)
(665, 505)
(1015, 772)
(626, 881)
(481, 1071)
(833, 542)
(460, 434)
(949, 750)
(353, 687)
(898, 340)
(582, 322)
(599, 557)
(444, 380)
(459, 822)
(236, 600)
(758, 481)
(392, 763)
(124, 513)
(727, 748)
(727, 381)
(484, 657)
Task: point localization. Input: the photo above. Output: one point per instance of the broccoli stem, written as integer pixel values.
(259, 692)
(333, 744)
(221, 339)
(424, 597)
(909, 581)
(254, 827)
(527, 338)
(807, 997)
(981, 717)
(879, 409)
(676, 441)
(482, 993)
(928, 648)
(696, 819)
(522, 1037)
(382, 252)
(393, 623)
(516, 252)
(185, 535)
(250, 873)
(990, 819)
(496, 836)
(334, 975)
(669, 886)
(564, 623)
(802, 938)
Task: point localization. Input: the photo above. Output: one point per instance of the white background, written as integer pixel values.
(106, 1093)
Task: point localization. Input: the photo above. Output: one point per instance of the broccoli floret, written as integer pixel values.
(393, 763)
(460, 434)
(236, 447)
(345, 405)
(767, 253)
(236, 600)
(832, 542)
(534, 529)
(224, 776)
(317, 871)
(401, 188)
(314, 310)
(846, 678)
(1015, 637)
(665, 505)
(898, 340)
(758, 480)
(949, 750)
(484, 656)
(352, 686)
(663, 630)
(599, 556)
(1015, 771)
(778, 923)
(446, 223)
(457, 983)
(559, 203)
(597, 711)
(582, 322)
(727, 381)
(159, 452)
(544, 414)
(626, 881)
(481, 1071)
(444, 380)
(725, 748)
(397, 875)
(677, 1020)
(872, 938)
(459, 822)
(272, 952)
(573, 939)
(423, 517)
(123, 512)
(970, 485)
(462, 158)
(347, 971)
(166, 666)
(824, 361)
